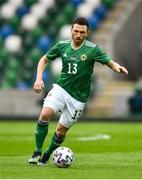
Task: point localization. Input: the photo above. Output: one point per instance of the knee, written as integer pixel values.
(45, 115)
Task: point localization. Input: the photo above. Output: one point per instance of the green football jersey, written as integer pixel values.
(77, 66)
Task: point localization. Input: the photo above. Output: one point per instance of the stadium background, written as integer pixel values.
(28, 28)
(106, 150)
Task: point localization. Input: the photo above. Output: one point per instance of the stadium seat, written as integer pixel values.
(37, 33)
(1, 68)
(38, 10)
(21, 55)
(21, 85)
(65, 32)
(44, 43)
(2, 1)
(69, 11)
(29, 3)
(85, 10)
(13, 64)
(53, 31)
(28, 42)
(45, 22)
(4, 55)
(16, 4)
(56, 67)
(7, 10)
(13, 43)
(14, 22)
(60, 3)
(22, 11)
(50, 4)
(52, 12)
(108, 3)
(6, 85)
(46, 77)
(75, 3)
(27, 76)
(60, 21)
(94, 3)
(29, 22)
(1, 21)
(1, 42)
(35, 54)
(28, 65)
(6, 30)
(93, 22)
(100, 12)
(11, 77)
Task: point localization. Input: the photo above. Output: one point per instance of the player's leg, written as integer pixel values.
(42, 127)
(41, 133)
(53, 102)
(56, 141)
(70, 115)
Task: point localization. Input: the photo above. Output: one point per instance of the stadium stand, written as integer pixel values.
(28, 28)
(113, 92)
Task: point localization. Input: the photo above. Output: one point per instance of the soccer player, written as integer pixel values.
(69, 94)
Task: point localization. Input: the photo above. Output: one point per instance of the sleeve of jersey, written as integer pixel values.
(101, 56)
(54, 52)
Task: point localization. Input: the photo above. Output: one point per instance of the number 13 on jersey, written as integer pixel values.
(72, 68)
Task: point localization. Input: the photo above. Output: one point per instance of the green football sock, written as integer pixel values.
(40, 134)
(55, 143)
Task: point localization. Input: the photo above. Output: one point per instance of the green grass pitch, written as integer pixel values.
(102, 151)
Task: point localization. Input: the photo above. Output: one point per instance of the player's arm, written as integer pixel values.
(117, 67)
(39, 84)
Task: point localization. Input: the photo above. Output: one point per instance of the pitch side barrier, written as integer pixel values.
(82, 119)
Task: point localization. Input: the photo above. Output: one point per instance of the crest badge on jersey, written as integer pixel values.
(83, 57)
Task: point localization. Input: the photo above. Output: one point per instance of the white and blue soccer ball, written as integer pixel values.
(63, 157)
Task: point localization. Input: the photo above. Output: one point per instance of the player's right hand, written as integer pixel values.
(38, 85)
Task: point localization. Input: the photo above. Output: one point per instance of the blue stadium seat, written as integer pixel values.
(100, 12)
(23, 10)
(75, 3)
(44, 43)
(46, 76)
(6, 30)
(94, 22)
(21, 85)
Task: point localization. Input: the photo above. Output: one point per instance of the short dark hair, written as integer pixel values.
(81, 21)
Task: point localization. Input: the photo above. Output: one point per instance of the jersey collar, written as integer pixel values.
(77, 47)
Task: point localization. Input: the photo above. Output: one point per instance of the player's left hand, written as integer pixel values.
(117, 67)
(122, 69)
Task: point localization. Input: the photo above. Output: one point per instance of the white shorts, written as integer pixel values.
(59, 100)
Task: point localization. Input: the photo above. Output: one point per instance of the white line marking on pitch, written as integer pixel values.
(94, 138)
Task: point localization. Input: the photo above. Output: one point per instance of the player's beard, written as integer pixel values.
(78, 41)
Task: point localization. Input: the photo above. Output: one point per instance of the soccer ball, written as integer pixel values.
(63, 157)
